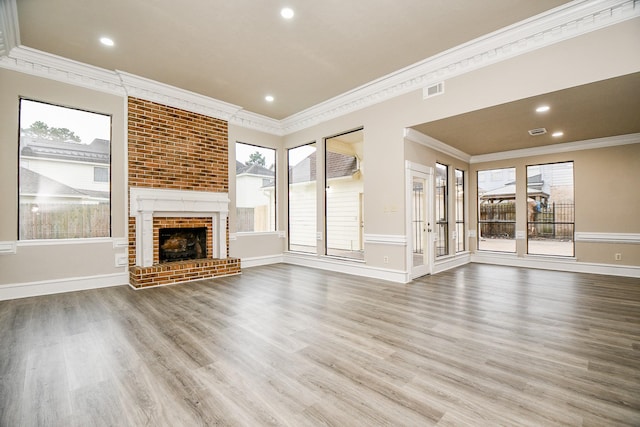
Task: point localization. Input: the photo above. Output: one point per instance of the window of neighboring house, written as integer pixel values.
(496, 211)
(255, 188)
(442, 221)
(100, 174)
(59, 149)
(301, 163)
(460, 234)
(550, 209)
(344, 195)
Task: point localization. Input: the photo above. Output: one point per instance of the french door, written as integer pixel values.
(419, 219)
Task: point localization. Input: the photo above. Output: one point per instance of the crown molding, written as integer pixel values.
(249, 120)
(42, 64)
(161, 93)
(9, 30)
(589, 144)
(562, 23)
(559, 24)
(422, 139)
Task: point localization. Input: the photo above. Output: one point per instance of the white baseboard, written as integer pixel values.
(260, 260)
(548, 263)
(47, 287)
(349, 267)
(451, 262)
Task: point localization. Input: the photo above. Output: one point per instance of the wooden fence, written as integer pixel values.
(554, 221)
(64, 221)
(498, 220)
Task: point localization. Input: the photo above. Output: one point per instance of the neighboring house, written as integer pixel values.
(64, 189)
(254, 198)
(80, 166)
(344, 202)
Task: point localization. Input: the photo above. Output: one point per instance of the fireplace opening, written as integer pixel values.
(178, 244)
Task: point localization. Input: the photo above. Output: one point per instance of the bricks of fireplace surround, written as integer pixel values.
(170, 148)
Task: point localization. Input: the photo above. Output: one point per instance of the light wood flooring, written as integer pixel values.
(479, 345)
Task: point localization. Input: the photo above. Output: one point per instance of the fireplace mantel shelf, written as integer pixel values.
(176, 201)
(145, 203)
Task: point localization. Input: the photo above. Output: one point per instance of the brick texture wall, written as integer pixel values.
(171, 148)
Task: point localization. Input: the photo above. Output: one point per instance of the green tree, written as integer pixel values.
(256, 159)
(40, 129)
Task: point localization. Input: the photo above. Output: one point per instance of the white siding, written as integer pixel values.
(74, 174)
(302, 214)
(343, 214)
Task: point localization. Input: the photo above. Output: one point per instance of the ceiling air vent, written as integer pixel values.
(433, 90)
(536, 132)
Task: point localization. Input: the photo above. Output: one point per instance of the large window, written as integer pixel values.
(344, 192)
(460, 234)
(302, 198)
(65, 162)
(255, 188)
(442, 220)
(550, 209)
(497, 210)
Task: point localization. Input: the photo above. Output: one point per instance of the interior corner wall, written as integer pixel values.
(605, 201)
(257, 248)
(57, 261)
(559, 66)
(428, 156)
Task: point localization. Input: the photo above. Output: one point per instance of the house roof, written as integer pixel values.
(96, 152)
(509, 192)
(338, 165)
(253, 169)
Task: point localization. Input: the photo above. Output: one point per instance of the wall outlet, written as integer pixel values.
(385, 259)
(618, 257)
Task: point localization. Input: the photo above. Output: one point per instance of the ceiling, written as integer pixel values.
(241, 50)
(601, 109)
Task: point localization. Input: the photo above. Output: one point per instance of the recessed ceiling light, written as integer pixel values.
(287, 13)
(269, 98)
(106, 41)
(557, 134)
(542, 109)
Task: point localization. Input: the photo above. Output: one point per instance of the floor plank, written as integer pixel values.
(289, 345)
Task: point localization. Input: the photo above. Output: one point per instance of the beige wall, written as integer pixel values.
(257, 245)
(56, 261)
(605, 198)
(552, 68)
(427, 156)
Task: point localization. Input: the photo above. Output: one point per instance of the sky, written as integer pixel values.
(243, 151)
(88, 126)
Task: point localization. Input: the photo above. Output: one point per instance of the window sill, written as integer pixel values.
(552, 257)
(258, 233)
(58, 242)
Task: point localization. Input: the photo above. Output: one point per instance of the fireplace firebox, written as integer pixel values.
(178, 244)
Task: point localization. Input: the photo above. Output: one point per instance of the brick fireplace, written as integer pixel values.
(178, 179)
